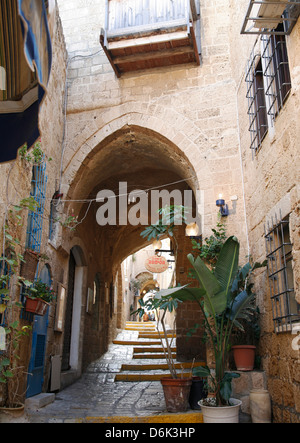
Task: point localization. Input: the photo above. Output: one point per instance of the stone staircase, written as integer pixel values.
(148, 355)
(150, 364)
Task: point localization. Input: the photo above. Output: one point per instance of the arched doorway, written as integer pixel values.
(72, 326)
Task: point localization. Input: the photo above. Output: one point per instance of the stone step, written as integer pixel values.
(155, 376)
(144, 349)
(151, 356)
(155, 335)
(159, 366)
(166, 418)
(136, 343)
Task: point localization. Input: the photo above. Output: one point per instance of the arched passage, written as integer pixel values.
(143, 160)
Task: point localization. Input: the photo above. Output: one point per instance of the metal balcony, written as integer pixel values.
(146, 34)
(266, 16)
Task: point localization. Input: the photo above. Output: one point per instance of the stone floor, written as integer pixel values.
(98, 398)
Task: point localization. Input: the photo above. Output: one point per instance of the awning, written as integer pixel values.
(25, 61)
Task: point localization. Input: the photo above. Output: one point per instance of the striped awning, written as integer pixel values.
(25, 64)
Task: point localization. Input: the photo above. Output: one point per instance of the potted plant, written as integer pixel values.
(11, 370)
(222, 304)
(11, 366)
(177, 387)
(38, 297)
(244, 342)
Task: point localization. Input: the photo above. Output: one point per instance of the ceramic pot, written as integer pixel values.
(176, 392)
(260, 406)
(221, 414)
(16, 411)
(197, 392)
(244, 356)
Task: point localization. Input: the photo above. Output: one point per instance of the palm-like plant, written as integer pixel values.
(223, 302)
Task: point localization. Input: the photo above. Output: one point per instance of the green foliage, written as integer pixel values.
(169, 217)
(223, 302)
(210, 249)
(39, 290)
(36, 154)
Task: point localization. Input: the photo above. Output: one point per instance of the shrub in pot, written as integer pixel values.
(223, 304)
(38, 297)
(177, 387)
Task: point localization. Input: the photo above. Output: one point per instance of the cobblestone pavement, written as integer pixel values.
(96, 394)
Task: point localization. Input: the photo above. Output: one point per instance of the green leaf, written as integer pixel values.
(227, 264)
(8, 374)
(4, 362)
(225, 386)
(201, 371)
(214, 297)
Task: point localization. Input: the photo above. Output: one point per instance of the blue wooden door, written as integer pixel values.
(38, 348)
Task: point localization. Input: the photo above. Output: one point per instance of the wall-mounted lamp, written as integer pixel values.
(157, 244)
(223, 207)
(192, 230)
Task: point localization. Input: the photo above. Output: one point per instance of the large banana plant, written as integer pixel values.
(222, 303)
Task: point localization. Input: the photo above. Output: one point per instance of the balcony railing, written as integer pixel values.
(145, 34)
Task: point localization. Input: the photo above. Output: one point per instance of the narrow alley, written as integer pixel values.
(121, 387)
(149, 157)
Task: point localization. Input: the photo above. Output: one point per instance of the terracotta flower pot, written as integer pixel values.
(176, 392)
(36, 306)
(244, 356)
(16, 411)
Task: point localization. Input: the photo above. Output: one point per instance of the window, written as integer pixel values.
(276, 72)
(268, 85)
(285, 309)
(35, 218)
(258, 125)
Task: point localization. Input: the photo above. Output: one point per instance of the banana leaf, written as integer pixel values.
(227, 264)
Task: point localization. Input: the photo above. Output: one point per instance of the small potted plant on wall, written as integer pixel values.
(38, 297)
(222, 305)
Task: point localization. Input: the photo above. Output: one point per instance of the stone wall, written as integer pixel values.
(16, 185)
(202, 111)
(271, 180)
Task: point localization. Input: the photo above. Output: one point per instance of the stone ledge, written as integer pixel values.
(247, 381)
(39, 401)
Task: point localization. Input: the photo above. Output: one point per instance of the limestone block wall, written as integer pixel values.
(271, 180)
(194, 107)
(16, 183)
(202, 111)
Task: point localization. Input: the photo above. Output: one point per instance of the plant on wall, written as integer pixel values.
(10, 368)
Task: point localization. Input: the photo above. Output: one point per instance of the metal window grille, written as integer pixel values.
(276, 72)
(35, 218)
(285, 309)
(35, 221)
(258, 125)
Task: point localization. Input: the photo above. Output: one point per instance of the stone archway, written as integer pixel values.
(145, 160)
